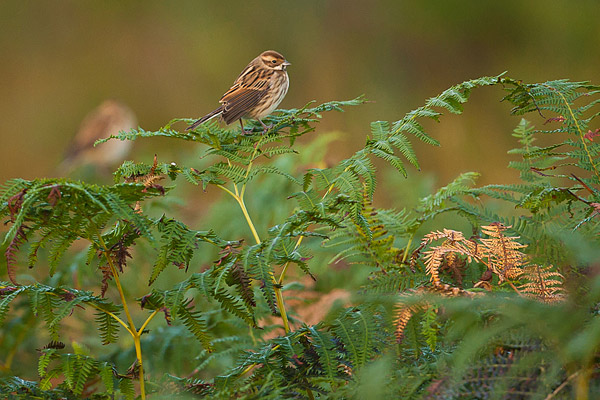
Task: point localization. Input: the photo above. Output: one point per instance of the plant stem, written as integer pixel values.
(582, 384)
(240, 201)
(135, 334)
(407, 248)
(283, 271)
(239, 197)
(116, 318)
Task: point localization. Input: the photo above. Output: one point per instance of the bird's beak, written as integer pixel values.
(286, 63)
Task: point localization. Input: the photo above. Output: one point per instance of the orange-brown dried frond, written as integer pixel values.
(345, 369)
(502, 252)
(403, 314)
(501, 255)
(542, 283)
(455, 243)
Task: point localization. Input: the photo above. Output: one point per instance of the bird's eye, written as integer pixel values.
(274, 61)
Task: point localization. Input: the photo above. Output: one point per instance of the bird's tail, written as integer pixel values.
(208, 116)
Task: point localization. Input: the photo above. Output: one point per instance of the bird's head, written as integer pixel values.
(273, 60)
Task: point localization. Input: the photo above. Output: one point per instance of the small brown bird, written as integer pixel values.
(255, 93)
(107, 119)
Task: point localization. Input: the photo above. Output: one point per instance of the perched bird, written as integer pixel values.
(107, 119)
(255, 93)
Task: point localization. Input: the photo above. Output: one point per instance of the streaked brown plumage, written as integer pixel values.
(255, 93)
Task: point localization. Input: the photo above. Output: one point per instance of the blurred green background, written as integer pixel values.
(60, 59)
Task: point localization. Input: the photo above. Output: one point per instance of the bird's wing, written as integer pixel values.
(247, 91)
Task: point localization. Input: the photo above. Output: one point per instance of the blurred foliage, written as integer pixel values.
(505, 307)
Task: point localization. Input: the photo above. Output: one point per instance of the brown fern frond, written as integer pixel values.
(501, 255)
(241, 278)
(148, 180)
(455, 265)
(167, 313)
(455, 243)
(451, 291)
(120, 252)
(54, 196)
(402, 315)
(55, 344)
(542, 283)
(11, 253)
(14, 203)
(106, 276)
(502, 252)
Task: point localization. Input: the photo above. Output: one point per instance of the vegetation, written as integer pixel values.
(507, 310)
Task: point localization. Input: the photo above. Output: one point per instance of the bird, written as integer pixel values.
(107, 119)
(256, 92)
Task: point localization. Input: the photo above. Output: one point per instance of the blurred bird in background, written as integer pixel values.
(109, 118)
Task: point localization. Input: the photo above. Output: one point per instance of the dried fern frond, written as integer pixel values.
(542, 283)
(502, 252)
(501, 255)
(403, 314)
(455, 243)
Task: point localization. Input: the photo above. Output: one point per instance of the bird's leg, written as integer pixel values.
(242, 125)
(266, 128)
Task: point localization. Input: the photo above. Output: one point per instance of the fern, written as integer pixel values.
(127, 389)
(193, 321)
(107, 326)
(356, 331)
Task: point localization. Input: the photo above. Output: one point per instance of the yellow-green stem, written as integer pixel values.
(407, 248)
(240, 201)
(238, 196)
(146, 322)
(283, 271)
(132, 331)
(582, 384)
(119, 320)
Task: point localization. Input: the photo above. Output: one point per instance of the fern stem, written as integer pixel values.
(116, 318)
(562, 385)
(227, 191)
(132, 331)
(141, 330)
(138, 352)
(278, 295)
(582, 384)
(281, 306)
(282, 275)
(239, 197)
(407, 248)
(242, 204)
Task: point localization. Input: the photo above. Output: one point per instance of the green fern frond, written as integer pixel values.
(259, 268)
(324, 345)
(459, 186)
(356, 331)
(9, 293)
(127, 389)
(106, 372)
(45, 358)
(108, 326)
(195, 323)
